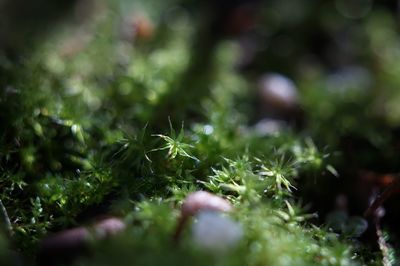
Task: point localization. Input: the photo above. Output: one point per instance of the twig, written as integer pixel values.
(6, 218)
(383, 246)
(372, 212)
(382, 198)
(179, 229)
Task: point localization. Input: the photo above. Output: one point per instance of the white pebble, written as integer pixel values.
(215, 231)
(278, 90)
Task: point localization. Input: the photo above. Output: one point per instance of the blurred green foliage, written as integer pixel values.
(95, 122)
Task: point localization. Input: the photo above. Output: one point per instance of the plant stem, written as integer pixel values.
(383, 246)
(6, 218)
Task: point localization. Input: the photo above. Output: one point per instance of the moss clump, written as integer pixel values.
(130, 129)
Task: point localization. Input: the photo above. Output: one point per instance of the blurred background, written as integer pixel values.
(329, 70)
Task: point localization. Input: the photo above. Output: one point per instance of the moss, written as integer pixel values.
(115, 128)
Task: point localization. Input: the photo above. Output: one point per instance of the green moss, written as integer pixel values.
(105, 130)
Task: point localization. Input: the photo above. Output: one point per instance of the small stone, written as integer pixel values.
(278, 91)
(144, 28)
(202, 200)
(68, 239)
(349, 79)
(137, 27)
(109, 227)
(66, 245)
(356, 226)
(196, 202)
(216, 232)
(268, 127)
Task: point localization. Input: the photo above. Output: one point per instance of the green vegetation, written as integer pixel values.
(94, 123)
